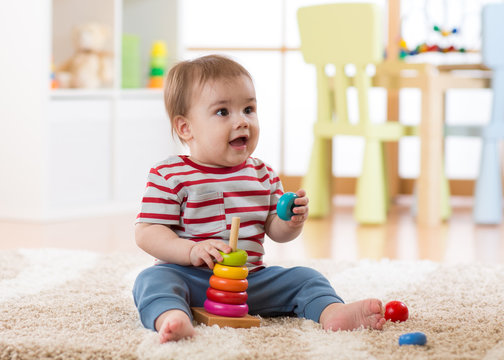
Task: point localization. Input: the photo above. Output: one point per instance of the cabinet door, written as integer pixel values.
(143, 138)
(79, 153)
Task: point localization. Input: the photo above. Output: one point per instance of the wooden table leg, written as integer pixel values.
(431, 151)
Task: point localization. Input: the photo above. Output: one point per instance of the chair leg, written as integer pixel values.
(445, 196)
(371, 206)
(488, 192)
(388, 199)
(317, 181)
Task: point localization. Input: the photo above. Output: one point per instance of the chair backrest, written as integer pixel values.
(340, 34)
(493, 57)
(492, 30)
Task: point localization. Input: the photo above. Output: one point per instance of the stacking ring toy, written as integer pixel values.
(226, 309)
(235, 258)
(228, 284)
(227, 297)
(415, 338)
(230, 272)
(285, 205)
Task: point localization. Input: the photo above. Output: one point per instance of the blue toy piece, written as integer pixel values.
(414, 338)
(285, 205)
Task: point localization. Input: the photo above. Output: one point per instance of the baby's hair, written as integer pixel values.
(185, 75)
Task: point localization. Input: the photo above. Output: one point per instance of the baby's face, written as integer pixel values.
(223, 122)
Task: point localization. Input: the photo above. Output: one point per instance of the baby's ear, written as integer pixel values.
(183, 128)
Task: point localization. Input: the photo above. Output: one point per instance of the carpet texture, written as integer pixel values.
(61, 304)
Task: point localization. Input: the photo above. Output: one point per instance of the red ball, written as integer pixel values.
(396, 311)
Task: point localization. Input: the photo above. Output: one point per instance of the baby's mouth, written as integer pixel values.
(239, 141)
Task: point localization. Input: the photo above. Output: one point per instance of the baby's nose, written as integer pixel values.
(242, 121)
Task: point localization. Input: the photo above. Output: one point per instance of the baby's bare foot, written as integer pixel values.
(366, 313)
(174, 325)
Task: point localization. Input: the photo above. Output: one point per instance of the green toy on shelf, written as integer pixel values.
(131, 62)
(157, 65)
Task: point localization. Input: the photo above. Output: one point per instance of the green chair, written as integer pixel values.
(341, 34)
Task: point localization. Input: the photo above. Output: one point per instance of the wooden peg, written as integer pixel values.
(233, 237)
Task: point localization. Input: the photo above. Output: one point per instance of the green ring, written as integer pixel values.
(236, 258)
(157, 71)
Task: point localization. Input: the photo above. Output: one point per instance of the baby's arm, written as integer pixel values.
(163, 243)
(284, 231)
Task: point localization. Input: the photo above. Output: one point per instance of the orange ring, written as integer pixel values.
(230, 272)
(228, 284)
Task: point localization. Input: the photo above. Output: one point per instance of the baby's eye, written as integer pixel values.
(248, 110)
(222, 112)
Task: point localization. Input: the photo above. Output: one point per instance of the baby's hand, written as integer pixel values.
(204, 252)
(300, 210)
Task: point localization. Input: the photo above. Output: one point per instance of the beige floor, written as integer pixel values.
(338, 237)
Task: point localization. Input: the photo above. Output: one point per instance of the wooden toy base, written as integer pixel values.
(204, 317)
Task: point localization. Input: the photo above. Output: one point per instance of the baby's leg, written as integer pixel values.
(366, 313)
(163, 295)
(174, 325)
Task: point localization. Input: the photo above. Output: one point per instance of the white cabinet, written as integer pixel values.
(143, 138)
(100, 150)
(79, 165)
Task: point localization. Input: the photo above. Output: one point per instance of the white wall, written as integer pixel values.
(24, 86)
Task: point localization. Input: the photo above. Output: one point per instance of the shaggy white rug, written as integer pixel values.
(60, 304)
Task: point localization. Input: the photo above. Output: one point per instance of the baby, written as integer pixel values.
(189, 201)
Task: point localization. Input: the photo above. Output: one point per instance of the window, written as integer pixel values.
(263, 36)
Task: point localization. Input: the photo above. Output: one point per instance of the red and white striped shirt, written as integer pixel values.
(198, 202)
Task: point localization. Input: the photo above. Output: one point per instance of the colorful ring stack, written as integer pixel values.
(227, 294)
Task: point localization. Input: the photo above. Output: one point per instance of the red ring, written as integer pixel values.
(227, 297)
(228, 284)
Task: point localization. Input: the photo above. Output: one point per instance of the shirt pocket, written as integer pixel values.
(205, 214)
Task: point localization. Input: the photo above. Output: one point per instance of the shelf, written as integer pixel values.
(147, 21)
(82, 94)
(85, 94)
(141, 93)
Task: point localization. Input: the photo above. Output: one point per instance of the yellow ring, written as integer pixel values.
(230, 272)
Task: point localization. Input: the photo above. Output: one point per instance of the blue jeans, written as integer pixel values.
(272, 291)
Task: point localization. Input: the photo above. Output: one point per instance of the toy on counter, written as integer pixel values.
(447, 27)
(414, 338)
(157, 65)
(91, 66)
(444, 32)
(226, 303)
(424, 48)
(285, 206)
(54, 82)
(396, 311)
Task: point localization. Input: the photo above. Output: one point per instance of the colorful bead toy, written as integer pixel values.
(424, 48)
(444, 32)
(226, 302)
(229, 279)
